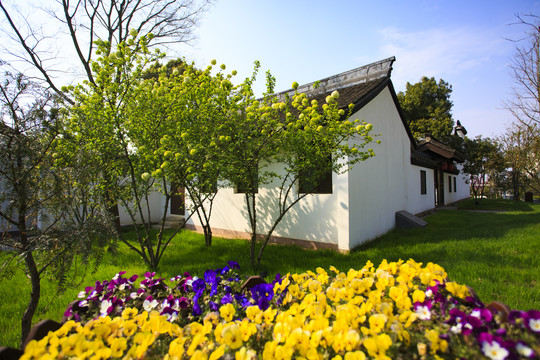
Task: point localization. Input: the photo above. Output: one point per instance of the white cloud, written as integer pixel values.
(438, 52)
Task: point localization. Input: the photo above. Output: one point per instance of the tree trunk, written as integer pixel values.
(26, 322)
(207, 235)
(252, 211)
(252, 250)
(515, 184)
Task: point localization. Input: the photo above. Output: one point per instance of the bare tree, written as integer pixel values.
(524, 103)
(85, 21)
(36, 232)
(521, 147)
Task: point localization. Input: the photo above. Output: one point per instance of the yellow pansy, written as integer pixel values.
(254, 314)
(355, 355)
(176, 347)
(129, 313)
(377, 322)
(195, 342)
(227, 312)
(129, 328)
(436, 342)
(245, 354)
(212, 318)
(333, 294)
(377, 346)
(118, 346)
(460, 291)
(232, 336)
(247, 328)
(419, 296)
(283, 352)
(361, 286)
(217, 353)
(281, 331)
(153, 324)
(269, 350)
(314, 286)
(352, 339)
(269, 315)
(143, 338)
(199, 355)
(217, 332)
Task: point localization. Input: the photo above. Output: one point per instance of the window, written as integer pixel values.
(455, 187)
(250, 185)
(207, 185)
(449, 184)
(313, 180)
(423, 187)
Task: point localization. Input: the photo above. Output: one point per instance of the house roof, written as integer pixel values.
(438, 149)
(356, 81)
(357, 86)
(431, 153)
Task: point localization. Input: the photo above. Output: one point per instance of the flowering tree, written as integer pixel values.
(151, 128)
(103, 124)
(197, 104)
(305, 138)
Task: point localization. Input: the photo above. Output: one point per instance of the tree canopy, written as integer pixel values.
(427, 108)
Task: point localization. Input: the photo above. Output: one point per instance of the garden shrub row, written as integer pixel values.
(398, 310)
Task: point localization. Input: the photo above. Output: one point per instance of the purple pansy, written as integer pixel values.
(227, 299)
(262, 295)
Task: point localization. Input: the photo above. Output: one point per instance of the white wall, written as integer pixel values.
(313, 218)
(416, 201)
(378, 186)
(462, 187)
(156, 201)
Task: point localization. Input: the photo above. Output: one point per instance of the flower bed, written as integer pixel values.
(399, 310)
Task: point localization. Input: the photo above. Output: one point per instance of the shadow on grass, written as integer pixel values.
(495, 205)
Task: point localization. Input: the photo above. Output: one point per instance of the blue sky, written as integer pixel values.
(463, 42)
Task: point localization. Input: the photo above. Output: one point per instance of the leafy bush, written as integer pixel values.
(399, 310)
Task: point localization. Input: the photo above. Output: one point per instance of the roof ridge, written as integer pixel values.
(375, 70)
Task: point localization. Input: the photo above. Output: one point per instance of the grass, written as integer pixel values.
(495, 253)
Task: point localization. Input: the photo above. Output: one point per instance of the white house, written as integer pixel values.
(360, 204)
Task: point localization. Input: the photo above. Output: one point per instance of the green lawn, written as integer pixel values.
(494, 253)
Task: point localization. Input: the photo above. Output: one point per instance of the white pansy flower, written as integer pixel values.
(494, 351)
(105, 305)
(423, 312)
(534, 324)
(524, 350)
(456, 329)
(149, 305)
